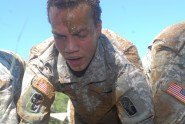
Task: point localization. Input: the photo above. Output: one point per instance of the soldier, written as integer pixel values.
(165, 70)
(99, 70)
(11, 73)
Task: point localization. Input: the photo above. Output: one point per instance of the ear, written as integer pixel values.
(98, 29)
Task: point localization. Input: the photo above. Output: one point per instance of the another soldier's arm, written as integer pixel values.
(11, 73)
(133, 99)
(36, 97)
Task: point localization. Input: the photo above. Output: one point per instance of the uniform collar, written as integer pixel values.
(95, 72)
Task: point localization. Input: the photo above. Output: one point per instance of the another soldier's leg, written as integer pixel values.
(11, 73)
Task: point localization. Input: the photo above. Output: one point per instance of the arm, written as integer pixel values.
(36, 98)
(133, 98)
(38, 89)
(11, 73)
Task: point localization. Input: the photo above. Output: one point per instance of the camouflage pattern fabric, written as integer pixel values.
(125, 47)
(11, 73)
(164, 67)
(112, 90)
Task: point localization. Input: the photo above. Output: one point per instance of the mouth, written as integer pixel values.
(74, 62)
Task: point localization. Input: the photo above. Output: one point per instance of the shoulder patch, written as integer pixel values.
(44, 86)
(128, 106)
(176, 90)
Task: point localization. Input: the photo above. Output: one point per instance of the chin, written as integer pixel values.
(78, 68)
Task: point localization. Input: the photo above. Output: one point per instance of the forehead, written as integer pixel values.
(77, 16)
(68, 3)
(81, 10)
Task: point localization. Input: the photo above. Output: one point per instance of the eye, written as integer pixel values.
(82, 34)
(57, 36)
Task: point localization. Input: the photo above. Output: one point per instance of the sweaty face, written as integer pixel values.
(75, 34)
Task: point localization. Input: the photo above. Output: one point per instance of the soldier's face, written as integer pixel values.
(75, 34)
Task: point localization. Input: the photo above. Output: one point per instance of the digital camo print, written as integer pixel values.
(37, 91)
(165, 70)
(111, 82)
(11, 73)
(125, 47)
(97, 94)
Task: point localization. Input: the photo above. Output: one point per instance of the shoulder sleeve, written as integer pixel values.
(133, 98)
(126, 47)
(40, 48)
(38, 89)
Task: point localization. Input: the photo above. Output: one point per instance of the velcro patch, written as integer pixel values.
(128, 106)
(176, 90)
(44, 86)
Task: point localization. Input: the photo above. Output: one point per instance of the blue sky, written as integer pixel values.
(23, 23)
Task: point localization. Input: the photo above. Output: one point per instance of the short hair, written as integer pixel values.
(94, 4)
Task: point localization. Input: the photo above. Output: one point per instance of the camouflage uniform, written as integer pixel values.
(165, 69)
(11, 73)
(111, 91)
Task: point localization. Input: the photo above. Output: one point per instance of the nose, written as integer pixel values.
(71, 46)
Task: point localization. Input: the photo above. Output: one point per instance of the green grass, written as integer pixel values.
(59, 106)
(60, 103)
